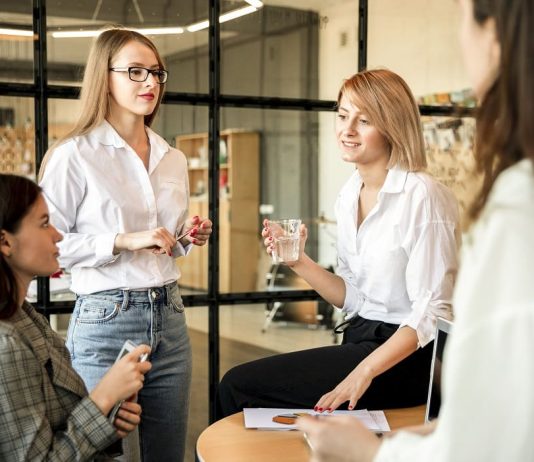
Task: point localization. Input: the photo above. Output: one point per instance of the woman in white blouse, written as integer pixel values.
(397, 243)
(487, 411)
(119, 195)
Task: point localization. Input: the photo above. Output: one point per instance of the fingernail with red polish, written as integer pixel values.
(320, 409)
(315, 408)
(350, 408)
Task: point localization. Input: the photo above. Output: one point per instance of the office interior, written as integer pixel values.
(250, 101)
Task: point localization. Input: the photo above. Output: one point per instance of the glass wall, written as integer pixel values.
(16, 41)
(73, 25)
(281, 65)
(17, 136)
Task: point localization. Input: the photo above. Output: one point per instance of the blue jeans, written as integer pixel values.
(100, 324)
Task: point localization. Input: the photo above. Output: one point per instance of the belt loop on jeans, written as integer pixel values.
(125, 298)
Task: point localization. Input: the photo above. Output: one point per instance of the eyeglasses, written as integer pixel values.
(140, 74)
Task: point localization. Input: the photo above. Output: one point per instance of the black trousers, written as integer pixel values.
(299, 379)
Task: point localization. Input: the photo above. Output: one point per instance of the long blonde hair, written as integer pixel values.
(389, 103)
(94, 95)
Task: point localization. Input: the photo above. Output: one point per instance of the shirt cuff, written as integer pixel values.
(96, 427)
(425, 312)
(181, 251)
(104, 249)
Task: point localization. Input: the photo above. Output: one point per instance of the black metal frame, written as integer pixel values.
(214, 100)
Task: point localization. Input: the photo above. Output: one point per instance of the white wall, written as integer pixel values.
(419, 40)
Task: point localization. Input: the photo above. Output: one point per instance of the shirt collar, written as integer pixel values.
(105, 134)
(394, 184)
(395, 181)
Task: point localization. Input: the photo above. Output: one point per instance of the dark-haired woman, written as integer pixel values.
(46, 413)
(487, 411)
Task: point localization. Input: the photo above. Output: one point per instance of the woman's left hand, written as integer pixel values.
(199, 230)
(128, 417)
(351, 389)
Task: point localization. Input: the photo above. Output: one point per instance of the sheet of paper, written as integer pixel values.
(381, 421)
(262, 418)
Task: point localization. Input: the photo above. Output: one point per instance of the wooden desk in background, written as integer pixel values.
(229, 441)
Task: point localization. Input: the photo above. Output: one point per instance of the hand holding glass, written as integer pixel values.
(286, 240)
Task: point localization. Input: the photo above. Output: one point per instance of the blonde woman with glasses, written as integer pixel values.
(119, 195)
(397, 241)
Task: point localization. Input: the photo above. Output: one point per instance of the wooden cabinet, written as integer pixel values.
(238, 209)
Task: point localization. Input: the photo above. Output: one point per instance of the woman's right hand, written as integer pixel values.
(159, 240)
(122, 380)
(268, 240)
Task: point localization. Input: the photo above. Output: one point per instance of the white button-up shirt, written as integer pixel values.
(487, 410)
(96, 187)
(400, 265)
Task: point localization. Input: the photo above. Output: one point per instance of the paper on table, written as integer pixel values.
(381, 421)
(262, 418)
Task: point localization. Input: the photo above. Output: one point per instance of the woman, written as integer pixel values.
(46, 412)
(397, 264)
(487, 411)
(119, 194)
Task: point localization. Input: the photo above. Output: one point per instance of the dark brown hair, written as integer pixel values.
(17, 195)
(504, 120)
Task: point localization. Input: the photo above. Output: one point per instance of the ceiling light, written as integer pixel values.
(160, 30)
(198, 26)
(255, 3)
(95, 33)
(236, 13)
(227, 16)
(16, 32)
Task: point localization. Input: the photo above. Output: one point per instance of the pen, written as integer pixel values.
(178, 237)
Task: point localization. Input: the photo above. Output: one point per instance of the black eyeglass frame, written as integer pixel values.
(157, 73)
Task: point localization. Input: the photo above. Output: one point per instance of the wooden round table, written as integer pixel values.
(229, 441)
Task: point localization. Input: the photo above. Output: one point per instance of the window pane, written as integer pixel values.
(17, 136)
(268, 170)
(418, 39)
(16, 41)
(291, 49)
(184, 52)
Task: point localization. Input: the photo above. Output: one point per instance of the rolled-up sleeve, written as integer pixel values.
(430, 275)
